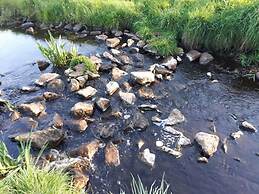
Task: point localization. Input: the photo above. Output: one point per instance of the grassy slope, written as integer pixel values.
(216, 25)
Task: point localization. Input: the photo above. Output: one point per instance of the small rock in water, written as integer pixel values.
(106, 130)
(175, 117)
(50, 136)
(42, 65)
(130, 42)
(193, 55)
(33, 109)
(143, 77)
(140, 144)
(46, 77)
(248, 126)
(208, 142)
(15, 115)
(181, 140)
(58, 121)
(138, 122)
(49, 96)
(78, 125)
(206, 58)
(209, 74)
(170, 63)
(87, 92)
(112, 87)
(30, 30)
(112, 156)
(112, 42)
(80, 180)
(56, 84)
(27, 25)
(82, 109)
(117, 74)
(203, 160)
(147, 93)
(224, 145)
(148, 107)
(160, 145)
(74, 85)
(147, 157)
(236, 135)
(29, 89)
(128, 98)
(103, 103)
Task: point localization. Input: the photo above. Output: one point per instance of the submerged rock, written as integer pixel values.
(112, 87)
(33, 109)
(180, 139)
(103, 103)
(112, 42)
(248, 126)
(82, 109)
(128, 98)
(49, 96)
(46, 77)
(160, 145)
(147, 157)
(193, 55)
(143, 77)
(208, 142)
(117, 73)
(86, 150)
(87, 92)
(77, 125)
(112, 156)
(138, 122)
(42, 65)
(206, 58)
(175, 117)
(50, 136)
(56, 84)
(236, 135)
(58, 121)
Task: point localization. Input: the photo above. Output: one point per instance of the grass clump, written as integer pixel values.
(21, 175)
(56, 53)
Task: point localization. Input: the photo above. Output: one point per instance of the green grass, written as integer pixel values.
(22, 176)
(220, 26)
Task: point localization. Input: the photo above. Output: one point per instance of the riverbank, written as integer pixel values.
(223, 27)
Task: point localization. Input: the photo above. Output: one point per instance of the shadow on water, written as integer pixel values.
(190, 91)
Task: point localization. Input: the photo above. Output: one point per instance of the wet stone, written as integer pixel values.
(27, 25)
(32, 109)
(130, 42)
(146, 92)
(82, 80)
(127, 97)
(112, 156)
(106, 130)
(80, 180)
(205, 58)
(112, 87)
(170, 63)
(103, 103)
(87, 92)
(138, 122)
(46, 77)
(101, 37)
(112, 42)
(42, 65)
(56, 84)
(117, 74)
(143, 77)
(49, 96)
(248, 126)
(193, 55)
(147, 157)
(77, 125)
(208, 142)
(82, 109)
(28, 89)
(110, 57)
(203, 160)
(15, 115)
(236, 135)
(58, 121)
(74, 85)
(125, 59)
(175, 117)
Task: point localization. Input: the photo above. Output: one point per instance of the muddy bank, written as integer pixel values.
(206, 106)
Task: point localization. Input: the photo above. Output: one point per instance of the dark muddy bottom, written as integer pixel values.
(225, 103)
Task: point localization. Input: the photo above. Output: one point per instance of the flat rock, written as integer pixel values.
(103, 103)
(117, 73)
(175, 117)
(143, 77)
(79, 125)
(112, 87)
(46, 77)
(33, 109)
(56, 84)
(193, 55)
(29, 89)
(49, 96)
(50, 136)
(147, 157)
(248, 126)
(112, 42)
(86, 150)
(127, 97)
(74, 85)
(82, 109)
(112, 156)
(87, 92)
(205, 58)
(208, 142)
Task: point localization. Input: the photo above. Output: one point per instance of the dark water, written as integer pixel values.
(190, 91)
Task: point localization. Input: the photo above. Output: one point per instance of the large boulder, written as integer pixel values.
(50, 136)
(208, 142)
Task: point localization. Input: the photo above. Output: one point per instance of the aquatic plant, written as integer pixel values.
(137, 187)
(81, 59)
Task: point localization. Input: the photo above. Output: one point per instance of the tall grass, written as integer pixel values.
(225, 26)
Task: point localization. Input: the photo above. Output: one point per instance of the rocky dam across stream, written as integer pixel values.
(146, 130)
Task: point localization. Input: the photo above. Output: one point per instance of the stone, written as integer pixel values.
(112, 87)
(126, 86)
(82, 81)
(109, 56)
(143, 77)
(128, 98)
(33, 109)
(27, 25)
(205, 58)
(147, 157)
(30, 30)
(95, 60)
(140, 144)
(80, 180)
(203, 160)
(106, 130)
(131, 36)
(58, 121)
(175, 117)
(79, 125)
(15, 115)
(147, 93)
(112, 42)
(141, 44)
(68, 27)
(138, 58)
(87, 92)
(130, 42)
(117, 73)
(103, 103)
(74, 85)
(42, 65)
(248, 126)
(115, 52)
(101, 37)
(236, 135)
(50, 136)
(148, 48)
(112, 156)
(193, 55)
(95, 32)
(49, 96)
(125, 59)
(86, 150)
(138, 122)
(56, 84)
(170, 63)
(148, 107)
(134, 50)
(117, 33)
(29, 89)
(208, 142)
(78, 28)
(162, 70)
(82, 109)
(257, 76)
(160, 145)
(46, 77)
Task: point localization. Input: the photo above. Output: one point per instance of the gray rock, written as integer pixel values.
(112, 42)
(248, 126)
(101, 37)
(175, 117)
(125, 59)
(236, 135)
(82, 109)
(106, 130)
(56, 84)
(87, 92)
(29, 89)
(146, 92)
(170, 63)
(42, 65)
(147, 157)
(82, 80)
(138, 122)
(193, 55)
(50, 136)
(203, 160)
(27, 25)
(78, 28)
(208, 142)
(109, 56)
(68, 27)
(141, 44)
(95, 32)
(206, 58)
(46, 78)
